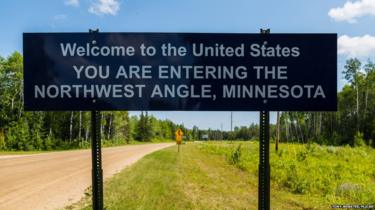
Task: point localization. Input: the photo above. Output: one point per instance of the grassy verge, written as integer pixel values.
(309, 176)
(195, 178)
(21, 152)
(218, 175)
(105, 144)
(191, 179)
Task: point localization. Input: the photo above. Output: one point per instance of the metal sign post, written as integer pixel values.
(264, 153)
(264, 163)
(97, 171)
(96, 151)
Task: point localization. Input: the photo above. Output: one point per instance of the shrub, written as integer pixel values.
(302, 155)
(48, 143)
(330, 174)
(2, 140)
(358, 140)
(235, 156)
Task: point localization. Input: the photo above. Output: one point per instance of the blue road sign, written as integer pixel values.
(180, 71)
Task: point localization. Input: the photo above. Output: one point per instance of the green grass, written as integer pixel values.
(214, 176)
(105, 144)
(310, 176)
(191, 179)
(20, 152)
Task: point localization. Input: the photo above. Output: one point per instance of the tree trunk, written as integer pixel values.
(286, 126)
(21, 100)
(80, 126)
(109, 126)
(12, 104)
(101, 123)
(87, 134)
(366, 100)
(320, 123)
(277, 131)
(71, 127)
(357, 108)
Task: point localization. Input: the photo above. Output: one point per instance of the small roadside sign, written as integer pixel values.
(179, 135)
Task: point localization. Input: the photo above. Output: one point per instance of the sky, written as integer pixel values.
(353, 21)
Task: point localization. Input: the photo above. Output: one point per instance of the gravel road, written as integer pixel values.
(54, 180)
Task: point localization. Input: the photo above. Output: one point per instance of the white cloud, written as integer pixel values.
(105, 7)
(74, 3)
(359, 46)
(353, 10)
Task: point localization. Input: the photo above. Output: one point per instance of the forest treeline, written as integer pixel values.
(353, 123)
(20, 130)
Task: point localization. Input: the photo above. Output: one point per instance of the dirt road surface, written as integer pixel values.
(54, 180)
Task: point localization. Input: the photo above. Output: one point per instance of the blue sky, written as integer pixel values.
(352, 20)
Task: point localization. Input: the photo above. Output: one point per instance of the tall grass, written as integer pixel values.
(343, 175)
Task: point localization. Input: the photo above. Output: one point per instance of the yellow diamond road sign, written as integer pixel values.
(179, 135)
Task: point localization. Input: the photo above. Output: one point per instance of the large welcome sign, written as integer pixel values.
(180, 71)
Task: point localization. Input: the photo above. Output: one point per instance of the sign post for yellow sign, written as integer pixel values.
(179, 135)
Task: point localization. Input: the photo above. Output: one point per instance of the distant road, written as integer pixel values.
(54, 180)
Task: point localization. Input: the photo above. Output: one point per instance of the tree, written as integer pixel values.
(144, 132)
(121, 126)
(149, 129)
(353, 75)
(195, 133)
(369, 81)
